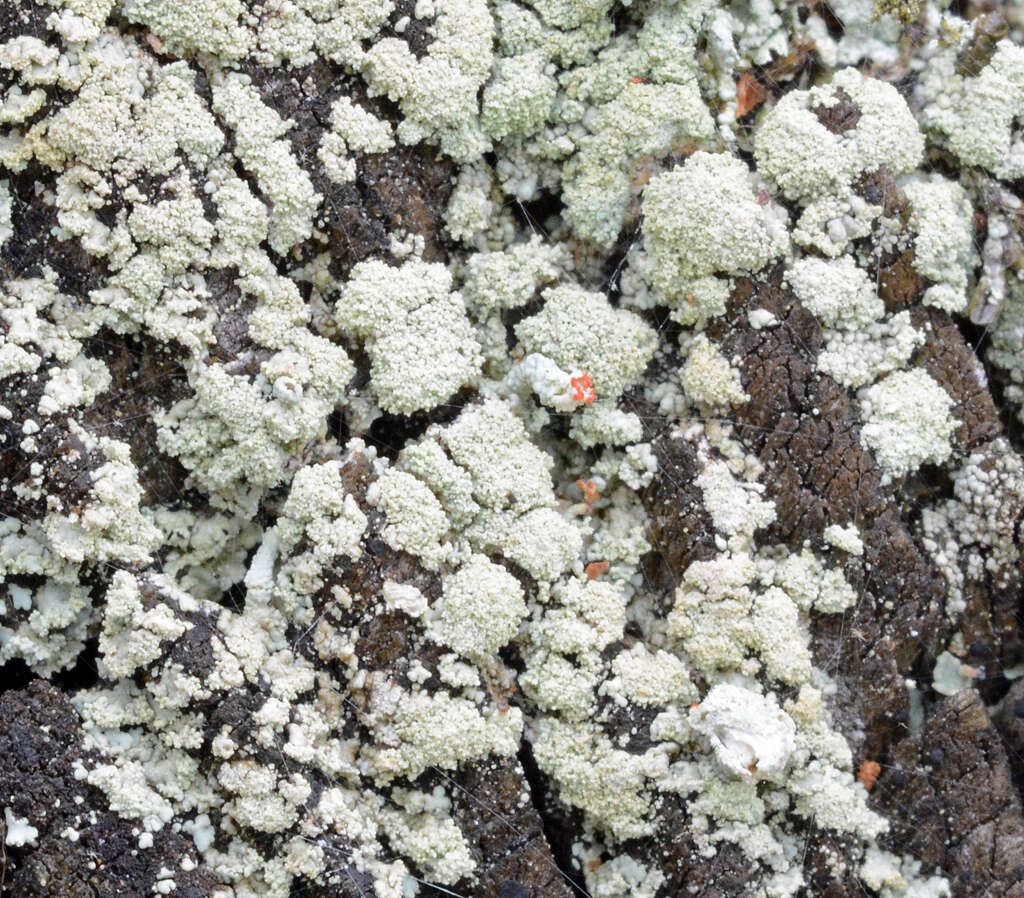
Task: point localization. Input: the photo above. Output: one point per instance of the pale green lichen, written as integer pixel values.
(362, 131)
(258, 129)
(602, 424)
(950, 675)
(519, 97)
(131, 634)
(210, 26)
(432, 841)
(620, 877)
(1007, 349)
(318, 509)
(56, 625)
(806, 160)
(970, 536)
(471, 209)
(416, 522)
(480, 608)
(817, 167)
(975, 115)
(5, 213)
(709, 205)
(567, 328)
(810, 584)
(436, 730)
(857, 357)
(452, 484)
(459, 58)
(109, 525)
(649, 678)
(708, 378)
(861, 344)
(944, 243)
(893, 877)
(723, 624)
(353, 130)
(523, 513)
(606, 782)
(647, 101)
(837, 292)
(234, 430)
(421, 345)
(496, 281)
(76, 385)
(907, 421)
(735, 505)
(845, 538)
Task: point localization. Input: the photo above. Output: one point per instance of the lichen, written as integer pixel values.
(816, 166)
(480, 608)
(709, 205)
(397, 395)
(709, 379)
(907, 421)
(944, 242)
(974, 112)
(415, 327)
(564, 330)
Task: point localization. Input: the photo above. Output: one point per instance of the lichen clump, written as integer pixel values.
(422, 415)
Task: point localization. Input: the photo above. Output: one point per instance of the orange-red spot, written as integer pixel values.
(868, 774)
(595, 569)
(749, 94)
(582, 389)
(589, 489)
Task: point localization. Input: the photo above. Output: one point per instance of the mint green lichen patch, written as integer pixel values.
(480, 609)
(709, 206)
(884, 133)
(709, 379)
(208, 26)
(416, 522)
(414, 326)
(944, 244)
(838, 293)
(519, 98)
(459, 58)
(395, 395)
(976, 113)
(495, 281)
(817, 167)
(258, 130)
(907, 421)
(581, 331)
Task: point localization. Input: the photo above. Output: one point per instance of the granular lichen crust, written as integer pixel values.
(468, 447)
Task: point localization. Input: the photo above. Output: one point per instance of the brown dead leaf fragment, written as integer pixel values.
(749, 94)
(868, 774)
